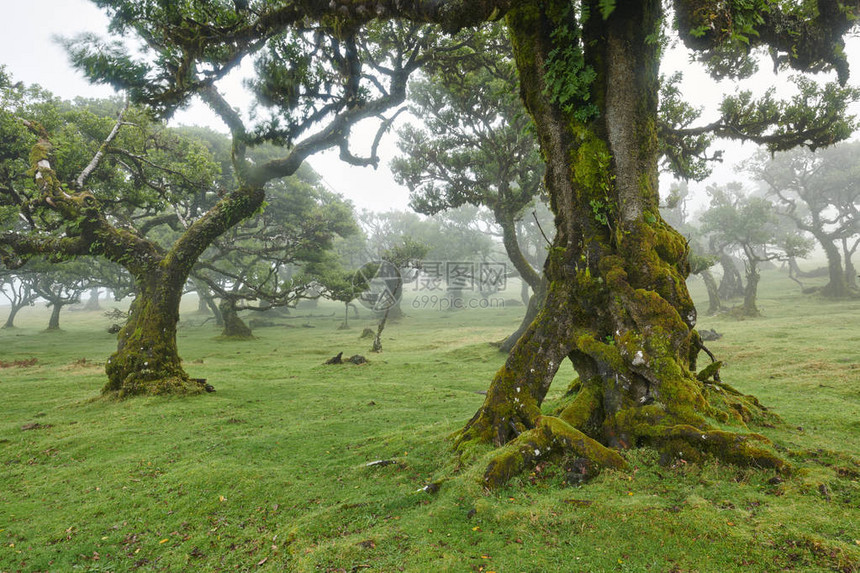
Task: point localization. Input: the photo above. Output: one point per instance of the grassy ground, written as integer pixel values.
(269, 473)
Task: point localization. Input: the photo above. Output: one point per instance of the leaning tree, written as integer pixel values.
(616, 303)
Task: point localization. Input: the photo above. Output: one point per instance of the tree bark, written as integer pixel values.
(534, 305)
(529, 275)
(836, 287)
(731, 285)
(10, 320)
(14, 308)
(749, 307)
(54, 320)
(234, 326)
(714, 304)
(525, 293)
(617, 304)
(850, 270)
(147, 360)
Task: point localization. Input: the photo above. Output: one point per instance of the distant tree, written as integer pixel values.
(450, 237)
(405, 256)
(674, 211)
(16, 287)
(341, 285)
(750, 224)
(820, 193)
(701, 265)
(60, 285)
(475, 145)
(253, 265)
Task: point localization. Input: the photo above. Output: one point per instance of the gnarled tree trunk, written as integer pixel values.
(617, 305)
(731, 285)
(714, 304)
(837, 286)
(234, 326)
(147, 360)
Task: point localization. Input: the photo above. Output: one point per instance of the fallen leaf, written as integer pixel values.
(263, 560)
(163, 541)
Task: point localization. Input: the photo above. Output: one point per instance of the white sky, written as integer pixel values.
(30, 54)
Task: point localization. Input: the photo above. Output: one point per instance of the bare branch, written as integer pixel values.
(94, 162)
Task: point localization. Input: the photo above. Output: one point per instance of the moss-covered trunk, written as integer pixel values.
(234, 326)
(617, 304)
(147, 360)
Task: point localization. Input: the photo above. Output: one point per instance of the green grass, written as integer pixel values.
(269, 473)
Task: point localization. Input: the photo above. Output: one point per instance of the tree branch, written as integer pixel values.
(94, 162)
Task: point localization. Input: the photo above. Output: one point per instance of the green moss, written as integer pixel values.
(146, 360)
(711, 370)
(569, 438)
(602, 352)
(586, 403)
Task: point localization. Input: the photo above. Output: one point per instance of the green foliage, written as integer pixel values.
(699, 263)
(568, 78)
(476, 145)
(739, 219)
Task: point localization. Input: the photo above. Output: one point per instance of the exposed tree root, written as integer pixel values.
(580, 427)
(168, 385)
(550, 438)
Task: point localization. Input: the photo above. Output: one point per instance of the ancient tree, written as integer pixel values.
(267, 260)
(16, 287)
(616, 304)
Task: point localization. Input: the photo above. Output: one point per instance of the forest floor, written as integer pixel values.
(270, 473)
